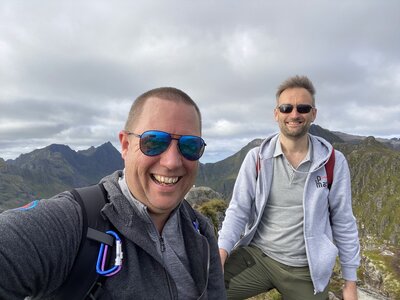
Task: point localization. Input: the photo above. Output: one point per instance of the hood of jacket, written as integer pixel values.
(319, 159)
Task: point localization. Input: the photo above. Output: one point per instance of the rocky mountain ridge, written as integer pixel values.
(55, 168)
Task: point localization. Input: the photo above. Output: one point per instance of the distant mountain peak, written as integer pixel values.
(58, 148)
(371, 142)
(107, 145)
(325, 133)
(255, 143)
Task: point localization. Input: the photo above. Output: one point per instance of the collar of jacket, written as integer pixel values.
(123, 216)
(321, 150)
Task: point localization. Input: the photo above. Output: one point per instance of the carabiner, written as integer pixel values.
(102, 257)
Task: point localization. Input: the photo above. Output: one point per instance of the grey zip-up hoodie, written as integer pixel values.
(38, 247)
(329, 224)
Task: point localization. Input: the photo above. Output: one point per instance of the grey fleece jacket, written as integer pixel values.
(38, 247)
(329, 224)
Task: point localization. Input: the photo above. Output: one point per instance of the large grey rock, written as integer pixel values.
(198, 195)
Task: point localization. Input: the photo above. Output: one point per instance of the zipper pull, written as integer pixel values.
(196, 225)
(162, 244)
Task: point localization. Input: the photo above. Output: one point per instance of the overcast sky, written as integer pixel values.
(69, 70)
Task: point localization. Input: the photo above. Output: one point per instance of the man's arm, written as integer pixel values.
(240, 207)
(223, 255)
(350, 290)
(343, 222)
(37, 247)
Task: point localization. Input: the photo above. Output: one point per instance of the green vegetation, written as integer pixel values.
(386, 265)
(212, 209)
(376, 189)
(271, 295)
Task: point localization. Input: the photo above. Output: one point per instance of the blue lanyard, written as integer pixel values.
(102, 257)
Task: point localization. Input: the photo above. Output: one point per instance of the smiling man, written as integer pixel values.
(169, 250)
(161, 181)
(285, 222)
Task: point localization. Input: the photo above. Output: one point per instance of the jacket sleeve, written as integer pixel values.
(240, 210)
(343, 222)
(38, 247)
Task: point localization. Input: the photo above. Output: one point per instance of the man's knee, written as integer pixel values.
(239, 260)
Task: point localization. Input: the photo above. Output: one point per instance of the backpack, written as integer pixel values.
(83, 282)
(329, 167)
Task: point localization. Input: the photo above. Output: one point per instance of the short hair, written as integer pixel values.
(164, 93)
(297, 82)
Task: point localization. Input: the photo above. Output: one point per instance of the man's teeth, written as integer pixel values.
(166, 180)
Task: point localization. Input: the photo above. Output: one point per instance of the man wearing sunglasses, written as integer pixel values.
(169, 250)
(285, 224)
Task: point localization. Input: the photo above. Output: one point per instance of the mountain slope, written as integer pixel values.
(221, 176)
(374, 167)
(375, 170)
(45, 172)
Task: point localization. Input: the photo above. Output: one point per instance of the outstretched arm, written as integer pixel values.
(38, 247)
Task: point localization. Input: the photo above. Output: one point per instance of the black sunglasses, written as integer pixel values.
(301, 108)
(154, 142)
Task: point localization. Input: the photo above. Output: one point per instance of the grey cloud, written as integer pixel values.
(70, 70)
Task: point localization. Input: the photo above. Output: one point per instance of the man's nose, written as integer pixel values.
(294, 112)
(172, 157)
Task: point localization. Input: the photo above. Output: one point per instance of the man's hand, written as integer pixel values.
(223, 255)
(349, 290)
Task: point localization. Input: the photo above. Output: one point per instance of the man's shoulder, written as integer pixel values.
(267, 146)
(62, 203)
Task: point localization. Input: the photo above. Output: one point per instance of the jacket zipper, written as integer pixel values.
(162, 248)
(207, 268)
(171, 294)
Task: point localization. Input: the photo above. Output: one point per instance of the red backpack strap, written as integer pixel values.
(329, 166)
(258, 165)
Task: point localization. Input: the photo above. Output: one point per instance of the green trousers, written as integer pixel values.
(249, 272)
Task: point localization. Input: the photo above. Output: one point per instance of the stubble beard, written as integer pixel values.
(295, 133)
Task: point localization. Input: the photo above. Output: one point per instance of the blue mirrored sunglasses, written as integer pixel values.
(154, 142)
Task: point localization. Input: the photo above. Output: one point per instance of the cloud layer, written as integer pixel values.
(70, 70)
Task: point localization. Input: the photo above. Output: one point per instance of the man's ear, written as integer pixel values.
(276, 114)
(124, 141)
(314, 114)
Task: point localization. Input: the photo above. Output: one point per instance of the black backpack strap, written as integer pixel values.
(83, 276)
